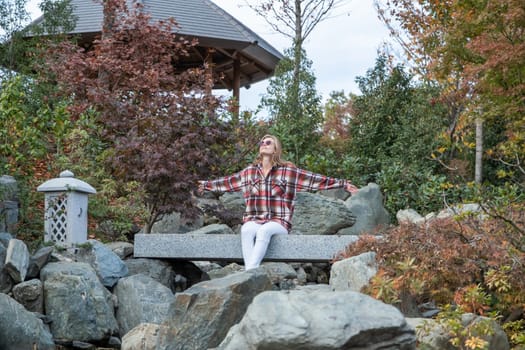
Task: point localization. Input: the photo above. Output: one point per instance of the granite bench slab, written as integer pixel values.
(227, 247)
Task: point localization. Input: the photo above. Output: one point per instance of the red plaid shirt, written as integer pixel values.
(272, 198)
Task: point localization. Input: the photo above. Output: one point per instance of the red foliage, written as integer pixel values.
(448, 256)
(159, 121)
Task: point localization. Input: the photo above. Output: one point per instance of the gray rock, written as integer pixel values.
(409, 216)
(109, 267)
(319, 215)
(301, 276)
(30, 295)
(169, 223)
(159, 270)
(476, 325)
(214, 229)
(367, 206)
(225, 271)
(114, 342)
(6, 282)
(5, 237)
(316, 272)
(142, 337)
(123, 249)
(336, 193)
(21, 329)
(207, 266)
(233, 202)
(38, 260)
(141, 300)
(8, 188)
(471, 209)
(353, 273)
(9, 198)
(303, 319)
(8, 215)
(200, 317)
(79, 306)
(434, 335)
(280, 273)
(17, 260)
(315, 288)
(80, 345)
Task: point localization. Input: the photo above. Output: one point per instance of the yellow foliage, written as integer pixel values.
(476, 343)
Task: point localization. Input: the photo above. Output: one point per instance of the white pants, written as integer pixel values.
(255, 238)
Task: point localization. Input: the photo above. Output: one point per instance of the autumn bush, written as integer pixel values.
(160, 124)
(472, 263)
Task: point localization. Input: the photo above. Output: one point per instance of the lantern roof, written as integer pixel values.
(66, 182)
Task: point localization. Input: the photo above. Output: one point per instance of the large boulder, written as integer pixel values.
(17, 260)
(353, 273)
(141, 299)
(21, 329)
(108, 265)
(319, 215)
(30, 295)
(200, 317)
(78, 305)
(303, 319)
(367, 206)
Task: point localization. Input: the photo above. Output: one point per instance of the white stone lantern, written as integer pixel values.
(66, 208)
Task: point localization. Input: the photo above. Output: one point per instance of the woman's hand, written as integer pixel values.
(200, 187)
(351, 188)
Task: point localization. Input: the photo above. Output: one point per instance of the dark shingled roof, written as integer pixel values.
(205, 21)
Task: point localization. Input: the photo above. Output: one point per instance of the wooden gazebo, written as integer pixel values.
(238, 55)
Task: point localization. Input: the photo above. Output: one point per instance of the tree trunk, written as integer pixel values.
(478, 176)
(298, 50)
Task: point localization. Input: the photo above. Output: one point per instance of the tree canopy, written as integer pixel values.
(160, 126)
(475, 51)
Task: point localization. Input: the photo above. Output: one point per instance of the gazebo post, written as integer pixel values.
(209, 64)
(236, 86)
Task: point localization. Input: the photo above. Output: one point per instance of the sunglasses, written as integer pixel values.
(267, 143)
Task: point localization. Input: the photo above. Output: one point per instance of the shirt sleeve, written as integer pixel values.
(230, 183)
(307, 181)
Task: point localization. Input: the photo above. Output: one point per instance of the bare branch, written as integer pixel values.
(517, 165)
(282, 15)
(443, 164)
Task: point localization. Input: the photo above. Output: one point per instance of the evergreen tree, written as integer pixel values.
(394, 128)
(295, 109)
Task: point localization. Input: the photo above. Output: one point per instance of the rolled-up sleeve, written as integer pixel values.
(230, 183)
(308, 181)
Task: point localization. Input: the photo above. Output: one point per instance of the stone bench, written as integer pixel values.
(227, 247)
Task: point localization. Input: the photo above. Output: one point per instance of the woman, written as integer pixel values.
(269, 187)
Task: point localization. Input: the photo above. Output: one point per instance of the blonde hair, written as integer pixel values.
(276, 157)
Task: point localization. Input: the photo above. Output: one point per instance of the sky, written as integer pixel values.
(341, 47)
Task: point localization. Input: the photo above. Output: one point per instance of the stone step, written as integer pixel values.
(225, 247)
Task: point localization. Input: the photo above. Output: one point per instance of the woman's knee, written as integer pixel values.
(249, 226)
(265, 233)
(249, 230)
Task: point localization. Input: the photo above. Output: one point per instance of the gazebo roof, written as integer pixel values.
(201, 19)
